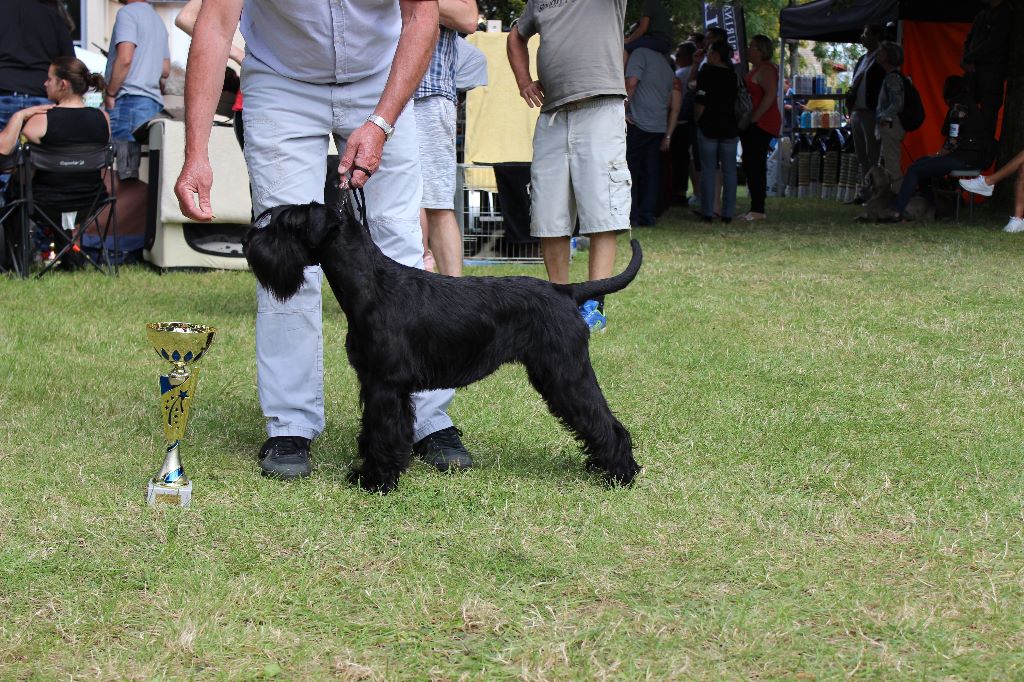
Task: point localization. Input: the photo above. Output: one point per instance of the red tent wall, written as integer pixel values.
(931, 53)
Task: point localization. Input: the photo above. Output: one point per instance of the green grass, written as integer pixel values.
(829, 417)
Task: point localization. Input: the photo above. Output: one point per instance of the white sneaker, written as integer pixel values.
(1015, 225)
(977, 186)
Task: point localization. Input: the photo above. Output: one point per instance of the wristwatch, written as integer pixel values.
(378, 121)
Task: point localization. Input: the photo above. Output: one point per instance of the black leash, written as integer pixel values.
(360, 199)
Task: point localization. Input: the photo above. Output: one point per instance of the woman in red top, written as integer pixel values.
(765, 123)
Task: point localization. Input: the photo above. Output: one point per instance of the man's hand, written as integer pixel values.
(196, 178)
(533, 93)
(666, 143)
(108, 102)
(363, 149)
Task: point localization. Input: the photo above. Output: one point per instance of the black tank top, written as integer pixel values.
(66, 126)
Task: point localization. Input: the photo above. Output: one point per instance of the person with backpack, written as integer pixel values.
(888, 127)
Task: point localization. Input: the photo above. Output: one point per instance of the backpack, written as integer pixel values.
(912, 114)
(744, 108)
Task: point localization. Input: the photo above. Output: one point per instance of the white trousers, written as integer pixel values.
(288, 125)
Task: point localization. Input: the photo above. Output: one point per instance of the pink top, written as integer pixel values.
(771, 120)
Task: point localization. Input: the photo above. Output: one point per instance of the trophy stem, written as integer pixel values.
(172, 473)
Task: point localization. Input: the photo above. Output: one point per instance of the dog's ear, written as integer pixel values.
(322, 222)
(276, 251)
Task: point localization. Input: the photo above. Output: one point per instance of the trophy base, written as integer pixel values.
(174, 495)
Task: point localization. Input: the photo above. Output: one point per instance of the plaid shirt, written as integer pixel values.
(440, 76)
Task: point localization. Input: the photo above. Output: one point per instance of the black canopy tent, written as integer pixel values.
(834, 22)
(841, 21)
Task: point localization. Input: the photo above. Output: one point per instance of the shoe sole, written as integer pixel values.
(980, 192)
(450, 467)
(287, 473)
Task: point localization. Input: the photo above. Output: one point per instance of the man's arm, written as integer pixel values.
(122, 62)
(186, 21)
(519, 59)
(675, 104)
(459, 15)
(412, 56)
(641, 29)
(204, 75)
(21, 122)
(631, 84)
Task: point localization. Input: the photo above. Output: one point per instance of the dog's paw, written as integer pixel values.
(620, 473)
(373, 482)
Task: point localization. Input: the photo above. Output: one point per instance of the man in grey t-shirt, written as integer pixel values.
(580, 93)
(138, 62)
(654, 104)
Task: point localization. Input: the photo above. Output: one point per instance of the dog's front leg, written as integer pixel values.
(385, 440)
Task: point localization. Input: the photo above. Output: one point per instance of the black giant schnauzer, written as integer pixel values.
(410, 330)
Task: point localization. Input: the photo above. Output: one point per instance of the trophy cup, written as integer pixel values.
(181, 344)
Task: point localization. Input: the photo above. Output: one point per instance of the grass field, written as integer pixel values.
(829, 417)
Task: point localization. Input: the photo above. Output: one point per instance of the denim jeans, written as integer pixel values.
(129, 112)
(9, 105)
(643, 155)
(715, 153)
(287, 126)
(920, 174)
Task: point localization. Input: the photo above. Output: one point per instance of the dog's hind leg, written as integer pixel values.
(385, 439)
(572, 393)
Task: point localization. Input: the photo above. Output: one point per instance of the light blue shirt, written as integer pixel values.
(338, 41)
(140, 25)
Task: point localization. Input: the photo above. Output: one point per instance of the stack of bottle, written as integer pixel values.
(817, 144)
(802, 150)
(810, 85)
(830, 164)
(849, 171)
(821, 119)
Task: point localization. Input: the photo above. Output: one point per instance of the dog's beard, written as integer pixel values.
(277, 259)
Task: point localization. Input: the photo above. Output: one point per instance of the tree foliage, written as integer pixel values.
(687, 15)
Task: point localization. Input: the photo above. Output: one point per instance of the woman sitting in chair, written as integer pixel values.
(53, 126)
(68, 122)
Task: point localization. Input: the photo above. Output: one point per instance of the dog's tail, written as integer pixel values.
(585, 291)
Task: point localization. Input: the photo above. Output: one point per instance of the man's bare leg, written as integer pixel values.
(428, 258)
(602, 255)
(556, 258)
(445, 240)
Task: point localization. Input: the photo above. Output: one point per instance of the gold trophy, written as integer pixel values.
(181, 344)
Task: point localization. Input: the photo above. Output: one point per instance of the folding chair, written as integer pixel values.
(16, 249)
(76, 159)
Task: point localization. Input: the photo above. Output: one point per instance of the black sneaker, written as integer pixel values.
(444, 450)
(285, 457)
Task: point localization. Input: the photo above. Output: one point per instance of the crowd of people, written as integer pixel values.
(878, 95)
(381, 80)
